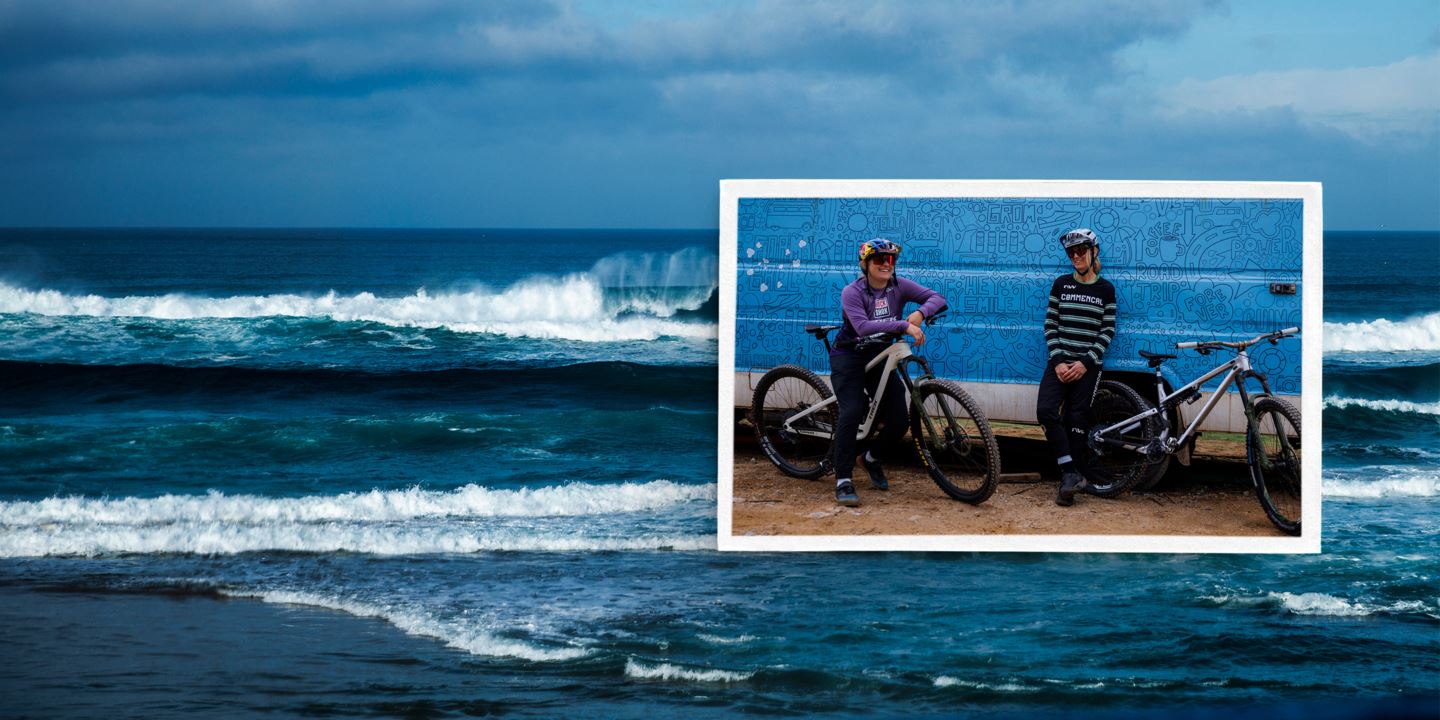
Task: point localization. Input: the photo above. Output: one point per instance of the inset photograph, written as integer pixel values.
(1011, 365)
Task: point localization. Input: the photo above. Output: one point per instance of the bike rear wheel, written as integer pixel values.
(1113, 470)
(1273, 449)
(954, 441)
(781, 394)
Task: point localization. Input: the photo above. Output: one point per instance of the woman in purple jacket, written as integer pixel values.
(872, 304)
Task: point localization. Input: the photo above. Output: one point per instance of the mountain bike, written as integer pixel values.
(794, 415)
(1131, 443)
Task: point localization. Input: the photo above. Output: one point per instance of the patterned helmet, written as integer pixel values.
(880, 246)
(1079, 236)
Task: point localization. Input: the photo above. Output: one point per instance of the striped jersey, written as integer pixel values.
(1080, 322)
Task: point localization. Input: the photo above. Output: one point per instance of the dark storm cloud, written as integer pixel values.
(80, 74)
(74, 51)
(33, 31)
(434, 112)
(936, 39)
(78, 52)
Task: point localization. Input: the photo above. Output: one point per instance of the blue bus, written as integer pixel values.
(1188, 261)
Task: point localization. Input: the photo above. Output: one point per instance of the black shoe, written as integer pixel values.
(845, 494)
(1071, 482)
(877, 473)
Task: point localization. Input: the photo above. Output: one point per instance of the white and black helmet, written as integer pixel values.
(1079, 236)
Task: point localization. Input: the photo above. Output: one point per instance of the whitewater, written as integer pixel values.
(571, 499)
(1399, 406)
(1418, 333)
(575, 307)
(566, 518)
(333, 473)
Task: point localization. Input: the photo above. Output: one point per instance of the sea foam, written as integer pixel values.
(399, 522)
(720, 640)
(405, 539)
(1321, 604)
(1382, 335)
(623, 298)
(667, 671)
(461, 634)
(1383, 482)
(1006, 686)
(1404, 406)
(372, 506)
(571, 308)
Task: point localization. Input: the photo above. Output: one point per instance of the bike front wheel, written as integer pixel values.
(797, 441)
(954, 441)
(1273, 449)
(1114, 469)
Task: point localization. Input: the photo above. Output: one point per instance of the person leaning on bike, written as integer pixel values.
(872, 304)
(1079, 325)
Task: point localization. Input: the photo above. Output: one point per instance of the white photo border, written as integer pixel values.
(1312, 340)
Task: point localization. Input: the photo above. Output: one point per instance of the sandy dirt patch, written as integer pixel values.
(1208, 500)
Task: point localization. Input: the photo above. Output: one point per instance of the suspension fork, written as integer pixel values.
(1264, 383)
(924, 365)
(1252, 420)
(910, 385)
(1252, 423)
(921, 423)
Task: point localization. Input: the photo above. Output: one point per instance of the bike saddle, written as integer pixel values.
(1155, 358)
(820, 331)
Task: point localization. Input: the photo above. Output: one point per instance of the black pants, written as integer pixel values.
(1063, 409)
(850, 381)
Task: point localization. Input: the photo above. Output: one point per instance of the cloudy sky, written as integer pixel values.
(532, 113)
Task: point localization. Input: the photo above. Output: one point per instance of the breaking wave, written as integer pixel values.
(1010, 686)
(373, 506)
(1395, 406)
(1392, 379)
(461, 634)
(1041, 685)
(1382, 335)
(622, 298)
(667, 671)
(1392, 482)
(406, 522)
(719, 640)
(222, 539)
(1321, 604)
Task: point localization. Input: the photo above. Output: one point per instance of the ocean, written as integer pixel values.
(456, 473)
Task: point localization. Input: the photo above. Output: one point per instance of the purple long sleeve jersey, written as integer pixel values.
(868, 311)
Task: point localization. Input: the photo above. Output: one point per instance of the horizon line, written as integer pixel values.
(7, 228)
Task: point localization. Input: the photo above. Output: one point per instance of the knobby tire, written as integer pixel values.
(1114, 470)
(782, 393)
(1273, 449)
(954, 442)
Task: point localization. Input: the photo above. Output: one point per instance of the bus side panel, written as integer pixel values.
(1183, 269)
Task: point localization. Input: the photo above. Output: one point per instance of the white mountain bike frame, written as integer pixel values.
(893, 358)
(1238, 369)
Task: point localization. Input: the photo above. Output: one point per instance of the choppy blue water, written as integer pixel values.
(456, 473)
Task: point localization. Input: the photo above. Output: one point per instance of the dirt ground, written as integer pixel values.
(1211, 498)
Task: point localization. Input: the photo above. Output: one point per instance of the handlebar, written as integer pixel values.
(822, 332)
(871, 339)
(1206, 346)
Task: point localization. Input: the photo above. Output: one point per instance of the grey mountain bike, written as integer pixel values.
(794, 415)
(1131, 443)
